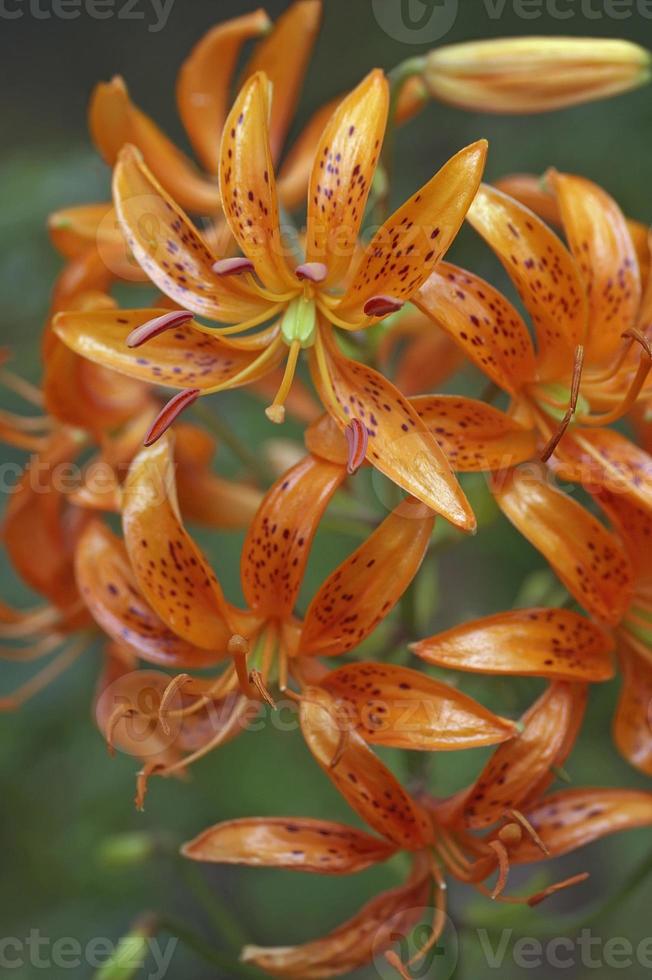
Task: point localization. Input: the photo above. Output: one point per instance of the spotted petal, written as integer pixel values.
(278, 542)
(406, 709)
(114, 121)
(367, 585)
(344, 165)
(600, 241)
(590, 561)
(295, 172)
(170, 249)
(366, 784)
(604, 459)
(204, 80)
(633, 719)
(554, 643)
(184, 357)
(298, 844)
(483, 322)
(543, 272)
(171, 571)
(406, 248)
(399, 444)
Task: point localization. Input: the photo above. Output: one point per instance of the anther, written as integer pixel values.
(312, 271)
(159, 325)
(357, 440)
(170, 413)
(572, 405)
(233, 267)
(382, 305)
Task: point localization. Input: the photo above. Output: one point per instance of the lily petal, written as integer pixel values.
(376, 927)
(277, 546)
(634, 525)
(483, 322)
(115, 121)
(532, 191)
(405, 250)
(170, 249)
(604, 459)
(632, 722)
(405, 708)
(366, 784)
(298, 844)
(519, 765)
(204, 78)
(248, 184)
(109, 589)
(588, 559)
(575, 817)
(343, 170)
(553, 643)
(544, 273)
(600, 241)
(364, 589)
(324, 438)
(473, 435)
(185, 357)
(170, 569)
(399, 443)
(295, 172)
(284, 56)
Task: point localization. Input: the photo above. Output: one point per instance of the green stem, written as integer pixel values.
(220, 916)
(204, 949)
(225, 434)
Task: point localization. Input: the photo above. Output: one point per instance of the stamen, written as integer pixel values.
(119, 712)
(572, 405)
(27, 391)
(173, 687)
(439, 916)
(341, 748)
(511, 834)
(357, 440)
(45, 676)
(558, 886)
(503, 867)
(170, 413)
(382, 305)
(233, 267)
(157, 326)
(395, 961)
(256, 678)
(634, 390)
(312, 271)
(276, 411)
(527, 826)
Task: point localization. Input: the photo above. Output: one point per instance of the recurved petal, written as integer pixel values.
(171, 571)
(473, 435)
(598, 237)
(344, 165)
(531, 191)
(277, 546)
(297, 166)
(602, 459)
(543, 271)
(109, 589)
(366, 784)
(518, 765)
(73, 230)
(634, 525)
(203, 83)
(399, 443)
(488, 329)
(554, 643)
(324, 438)
(407, 247)
(404, 708)
(114, 121)
(633, 718)
(298, 844)
(171, 251)
(376, 927)
(248, 185)
(364, 589)
(589, 560)
(284, 56)
(575, 817)
(183, 357)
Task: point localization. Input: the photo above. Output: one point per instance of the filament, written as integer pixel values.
(572, 405)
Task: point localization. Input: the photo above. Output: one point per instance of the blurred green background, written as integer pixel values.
(62, 797)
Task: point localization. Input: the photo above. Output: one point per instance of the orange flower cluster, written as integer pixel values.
(239, 304)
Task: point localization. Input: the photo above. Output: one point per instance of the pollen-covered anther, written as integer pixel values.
(511, 834)
(382, 305)
(357, 440)
(312, 271)
(235, 266)
(238, 646)
(170, 413)
(159, 325)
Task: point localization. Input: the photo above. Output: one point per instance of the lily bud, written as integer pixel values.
(534, 74)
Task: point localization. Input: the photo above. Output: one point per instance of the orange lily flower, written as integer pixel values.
(590, 315)
(300, 303)
(507, 803)
(157, 596)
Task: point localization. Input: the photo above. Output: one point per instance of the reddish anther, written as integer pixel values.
(357, 439)
(313, 271)
(233, 267)
(170, 413)
(168, 321)
(382, 305)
